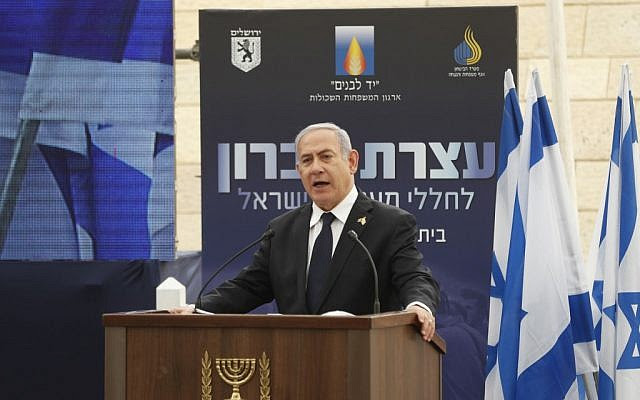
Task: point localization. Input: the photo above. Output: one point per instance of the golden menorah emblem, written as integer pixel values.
(236, 372)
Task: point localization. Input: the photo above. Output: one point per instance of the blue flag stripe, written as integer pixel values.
(581, 318)
(632, 125)
(95, 30)
(542, 132)
(536, 136)
(605, 213)
(511, 129)
(492, 359)
(151, 37)
(615, 146)
(508, 353)
(606, 388)
(122, 205)
(552, 375)
(628, 201)
(549, 136)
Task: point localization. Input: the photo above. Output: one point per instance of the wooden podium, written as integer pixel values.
(263, 357)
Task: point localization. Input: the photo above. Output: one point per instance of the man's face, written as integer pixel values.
(326, 176)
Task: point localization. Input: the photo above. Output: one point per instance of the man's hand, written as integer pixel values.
(182, 310)
(427, 322)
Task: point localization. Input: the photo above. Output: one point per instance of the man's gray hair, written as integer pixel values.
(341, 134)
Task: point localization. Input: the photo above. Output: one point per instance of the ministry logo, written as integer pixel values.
(468, 52)
(245, 49)
(355, 50)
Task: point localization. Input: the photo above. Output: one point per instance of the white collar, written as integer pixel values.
(341, 211)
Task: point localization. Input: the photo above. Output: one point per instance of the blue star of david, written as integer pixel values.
(626, 301)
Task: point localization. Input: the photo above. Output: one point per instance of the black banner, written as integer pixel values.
(420, 92)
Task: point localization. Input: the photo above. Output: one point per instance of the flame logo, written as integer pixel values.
(476, 51)
(469, 51)
(354, 61)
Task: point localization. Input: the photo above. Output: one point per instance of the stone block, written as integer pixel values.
(187, 134)
(291, 4)
(188, 189)
(533, 37)
(524, 75)
(612, 30)
(181, 5)
(187, 73)
(587, 77)
(186, 29)
(471, 3)
(590, 2)
(523, 70)
(532, 32)
(587, 221)
(592, 124)
(615, 73)
(189, 232)
(590, 181)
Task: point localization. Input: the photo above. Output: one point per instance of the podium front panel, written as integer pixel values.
(279, 359)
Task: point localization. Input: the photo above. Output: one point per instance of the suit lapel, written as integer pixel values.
(300, 235)
(361, 212)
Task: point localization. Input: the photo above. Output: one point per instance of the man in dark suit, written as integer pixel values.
(311, 266)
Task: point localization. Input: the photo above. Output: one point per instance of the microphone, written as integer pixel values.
(376, 297)
(268, 234)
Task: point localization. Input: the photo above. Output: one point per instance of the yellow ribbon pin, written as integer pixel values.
(362, 220)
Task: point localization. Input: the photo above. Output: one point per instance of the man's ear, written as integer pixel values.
(353, 161)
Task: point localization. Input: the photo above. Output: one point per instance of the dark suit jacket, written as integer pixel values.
(278, 269)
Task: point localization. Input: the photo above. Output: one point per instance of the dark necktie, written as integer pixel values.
(319, 265)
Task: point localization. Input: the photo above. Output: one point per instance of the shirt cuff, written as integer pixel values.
(421, 305)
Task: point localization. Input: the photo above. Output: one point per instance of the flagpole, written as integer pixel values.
(590, 387)
(560, 105)
(13, 181)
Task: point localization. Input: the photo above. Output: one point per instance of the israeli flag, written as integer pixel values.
(615, 256)
(540, 324)
(102, 89)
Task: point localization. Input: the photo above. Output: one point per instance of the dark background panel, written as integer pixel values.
(413, 57)
(51, 333)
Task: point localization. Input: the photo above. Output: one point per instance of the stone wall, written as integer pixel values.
(601, 35)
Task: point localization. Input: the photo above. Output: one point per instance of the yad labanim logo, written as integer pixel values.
(355, 50)
(245, 49)
(468, 52)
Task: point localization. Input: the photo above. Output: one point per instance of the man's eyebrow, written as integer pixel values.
(326, 151)
(308, 153)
